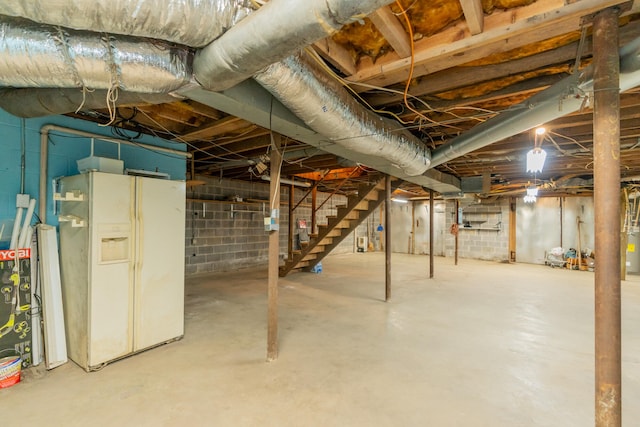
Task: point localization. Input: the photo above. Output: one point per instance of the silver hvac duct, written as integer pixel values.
(193, 23)
(565, 97)
(33, 55)
(327, 108)
(37, 102)
(275, 31)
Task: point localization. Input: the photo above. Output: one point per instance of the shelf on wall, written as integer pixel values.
(69, 196)
(481, 228)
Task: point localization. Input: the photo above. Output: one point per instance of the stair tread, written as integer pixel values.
(331, 234)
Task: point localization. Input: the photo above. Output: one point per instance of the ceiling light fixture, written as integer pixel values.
(537, 156)
(532, 194)
(393, 199)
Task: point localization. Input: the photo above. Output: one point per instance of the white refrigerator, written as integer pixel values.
(122, 264)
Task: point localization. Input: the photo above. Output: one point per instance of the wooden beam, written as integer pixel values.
(240, 142)
(504, 30)
(474, 15)
(237, 147)
(175, 112)
(220, 127)
(337, 55)
(443, 81)
(201, 109)
(388, 24)
(274, 253)
(332, 175)
(528, 87)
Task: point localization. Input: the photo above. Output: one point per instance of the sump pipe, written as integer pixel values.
(44, 156)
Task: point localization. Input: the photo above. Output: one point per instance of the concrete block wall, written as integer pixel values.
(216, 241)
(480, 241)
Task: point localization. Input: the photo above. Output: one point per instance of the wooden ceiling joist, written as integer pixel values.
(387, 23)
(224, 126)
(336, 55)
(503, 30)
(474, 15)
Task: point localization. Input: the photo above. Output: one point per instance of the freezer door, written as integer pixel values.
(159, 286)
(111, 277)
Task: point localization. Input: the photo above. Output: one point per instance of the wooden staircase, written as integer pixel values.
(348, 217)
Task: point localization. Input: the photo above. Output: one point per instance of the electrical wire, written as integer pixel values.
(179, 138)
(575, 141)
(413, 62)
(347, 85)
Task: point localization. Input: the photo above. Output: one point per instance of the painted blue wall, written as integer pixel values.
(64, 150)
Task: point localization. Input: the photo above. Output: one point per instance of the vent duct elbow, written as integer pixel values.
(275, 31)
(327, 108)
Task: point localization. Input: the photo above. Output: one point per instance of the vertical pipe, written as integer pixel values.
(512, 229)
(606, 158)
(624, 238)
(22, 239)
(430, 234)
(274, 251)
(291, 222)
(381, 221)
(314, 201)
(15, 234)
(44, 172)
(387, 238)
(561, 219)
(412, 244)
(455, 221)
(23, 156)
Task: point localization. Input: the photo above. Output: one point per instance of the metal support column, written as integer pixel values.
(606, 160)
(455, 221)
(387, 238)
(291, 221)
(430, 234)
(274, 252)
(314, 200)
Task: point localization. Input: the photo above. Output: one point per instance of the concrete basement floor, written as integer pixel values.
(482, 344)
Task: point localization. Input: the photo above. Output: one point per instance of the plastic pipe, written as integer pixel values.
(22, 241)
(16, 229)
(44, 157)
(27, 241)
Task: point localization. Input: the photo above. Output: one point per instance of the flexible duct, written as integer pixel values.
(190, 22)
(565, 97)
(275, 31)
(327, 108)
(33, 55)
(37, 102)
